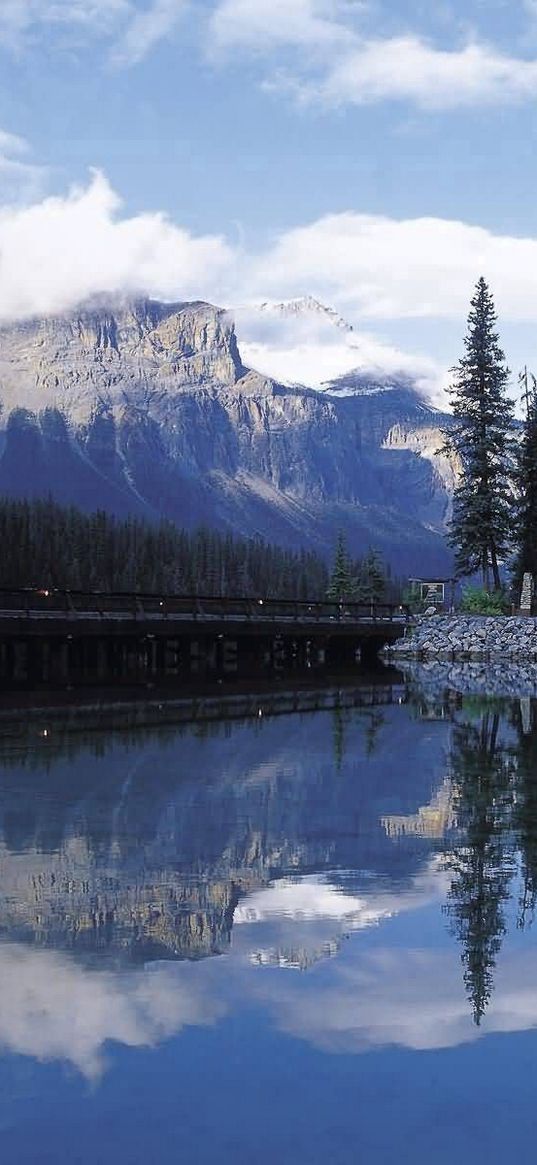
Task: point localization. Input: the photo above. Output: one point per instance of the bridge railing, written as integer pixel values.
(50, 602)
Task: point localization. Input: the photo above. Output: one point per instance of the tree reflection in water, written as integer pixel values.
(493, 768)
(483, 865)
(525, 809)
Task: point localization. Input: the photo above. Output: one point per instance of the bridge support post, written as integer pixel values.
(342, 652)
(369, 651)
(34, 660)
(102, 659)
(60, 661)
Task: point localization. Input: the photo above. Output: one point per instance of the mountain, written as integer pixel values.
(357, 383)
(155, 864)
(147, 408)
(304, 342)
(305, 308)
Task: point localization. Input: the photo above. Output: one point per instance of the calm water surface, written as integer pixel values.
(303, 938)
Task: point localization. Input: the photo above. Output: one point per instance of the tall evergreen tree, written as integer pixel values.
(526, 488)
(371, 578)
(481, 438)
(342, 584)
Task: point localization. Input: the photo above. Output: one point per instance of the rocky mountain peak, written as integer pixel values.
(146, 407)
(303, 308)
(116, 351)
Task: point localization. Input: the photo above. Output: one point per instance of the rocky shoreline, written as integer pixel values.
(436, 679)
(468, 637)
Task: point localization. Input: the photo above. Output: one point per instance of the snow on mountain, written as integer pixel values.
(146, 407)
(304, 342)
(306, 306)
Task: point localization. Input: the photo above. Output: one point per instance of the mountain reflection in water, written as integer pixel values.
(373, 846)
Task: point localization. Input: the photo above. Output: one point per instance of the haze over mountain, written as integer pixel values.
(137, 406)
(303, 341)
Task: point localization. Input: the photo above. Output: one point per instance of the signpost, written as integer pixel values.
(432, 592)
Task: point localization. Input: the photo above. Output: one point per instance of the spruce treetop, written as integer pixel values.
(481, 377)
(341, 585)
(481, 437)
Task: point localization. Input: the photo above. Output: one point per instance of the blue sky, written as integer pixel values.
(252, 149)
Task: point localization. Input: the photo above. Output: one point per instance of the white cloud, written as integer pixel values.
(411, 998)
(53, 1009)
(373, 997)
(57, 251)
(311, 349)
(313, 897)
(10, 143)
(147, 28)
(134, 26)
(62, 250)
(308, 899)
(378, 268)
(316, 49)
(21, 179)
(408, 69)
(263, 25)
(96, 13)
(317, 52)
(18, 18)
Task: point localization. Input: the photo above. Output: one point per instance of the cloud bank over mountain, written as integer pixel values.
(301, 341)
(57, 251)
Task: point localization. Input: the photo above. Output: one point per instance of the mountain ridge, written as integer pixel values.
(145, 407)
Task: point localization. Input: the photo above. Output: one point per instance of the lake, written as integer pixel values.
(298, 929)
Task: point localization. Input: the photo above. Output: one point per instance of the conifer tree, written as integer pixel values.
(526, 486)
(50, 545)
(342, 583)
(481, 438)
(371, 580)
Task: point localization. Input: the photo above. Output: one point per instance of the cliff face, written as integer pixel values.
(147, 408)
(129, 353)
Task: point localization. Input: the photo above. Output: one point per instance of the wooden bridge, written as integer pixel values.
(59, 636)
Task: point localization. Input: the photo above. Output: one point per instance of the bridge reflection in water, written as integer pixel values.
(62, 638)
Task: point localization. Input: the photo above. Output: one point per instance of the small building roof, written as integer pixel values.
(435, 579)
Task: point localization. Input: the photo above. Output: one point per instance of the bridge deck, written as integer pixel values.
(49, 612)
